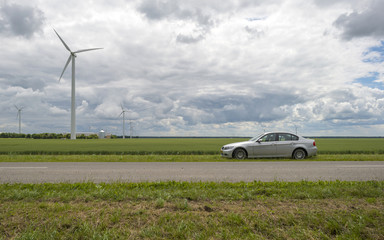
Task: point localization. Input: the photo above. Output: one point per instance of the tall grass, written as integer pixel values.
(184, 210)
(195, 191)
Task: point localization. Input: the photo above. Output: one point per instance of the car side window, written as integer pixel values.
(268, 138)
(287, 137)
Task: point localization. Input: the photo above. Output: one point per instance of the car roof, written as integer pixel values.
(282, 132)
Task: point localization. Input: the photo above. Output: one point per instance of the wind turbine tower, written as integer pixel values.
(72, 57)
(19, 116)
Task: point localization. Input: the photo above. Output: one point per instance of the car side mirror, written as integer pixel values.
(258, 141)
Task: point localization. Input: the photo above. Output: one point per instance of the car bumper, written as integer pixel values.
(227, 153)
(312, 152)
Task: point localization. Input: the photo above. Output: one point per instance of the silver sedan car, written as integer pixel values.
(272, 144)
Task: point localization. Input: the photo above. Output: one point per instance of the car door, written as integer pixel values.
(284, 145)
(265, 146)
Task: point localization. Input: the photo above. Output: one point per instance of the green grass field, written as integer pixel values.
(183, 210)
(170, 146)
(350, 145)
(114, 146)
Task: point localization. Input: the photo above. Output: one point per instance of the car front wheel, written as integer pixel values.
(299, 154)
(240, 154)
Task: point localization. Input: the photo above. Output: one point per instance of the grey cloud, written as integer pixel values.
(331, 3)
(364, 24)
(324, 3)
(20, 20)
(238, 108)
(351, 105)
(340, 106)
(202, 17)
(189, 38)
(23, 81)
(254, 32)
(157, 9)
(204, 14)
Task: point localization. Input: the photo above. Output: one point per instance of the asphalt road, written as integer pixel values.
(23, 172)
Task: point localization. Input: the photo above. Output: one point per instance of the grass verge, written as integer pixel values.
(173, 158)
(183, 210)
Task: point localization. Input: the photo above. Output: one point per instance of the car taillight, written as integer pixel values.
(314, 143)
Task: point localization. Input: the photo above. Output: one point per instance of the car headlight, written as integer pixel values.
(227, 147)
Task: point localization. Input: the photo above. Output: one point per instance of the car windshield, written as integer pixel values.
(255, 138)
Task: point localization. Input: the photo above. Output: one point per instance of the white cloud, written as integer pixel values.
(196, 67)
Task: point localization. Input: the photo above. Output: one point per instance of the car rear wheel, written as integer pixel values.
(240, 154)
(299, 154)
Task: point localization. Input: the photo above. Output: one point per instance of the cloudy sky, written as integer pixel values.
(195, 68)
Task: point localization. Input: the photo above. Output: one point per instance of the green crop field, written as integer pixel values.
(350, 145)
(170, 146)
(114, 146)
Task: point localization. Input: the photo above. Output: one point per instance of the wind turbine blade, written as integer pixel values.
(86, 50)
(65, 45)
(16, 107)
(66, 65)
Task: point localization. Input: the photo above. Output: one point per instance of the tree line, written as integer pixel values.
(46, 136)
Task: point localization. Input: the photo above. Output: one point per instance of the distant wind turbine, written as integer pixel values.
(72, 57)
(19, 116)
(123, 113)
(130, 128)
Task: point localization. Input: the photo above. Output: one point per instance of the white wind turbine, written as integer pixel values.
(72, 57)
(19, 116)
